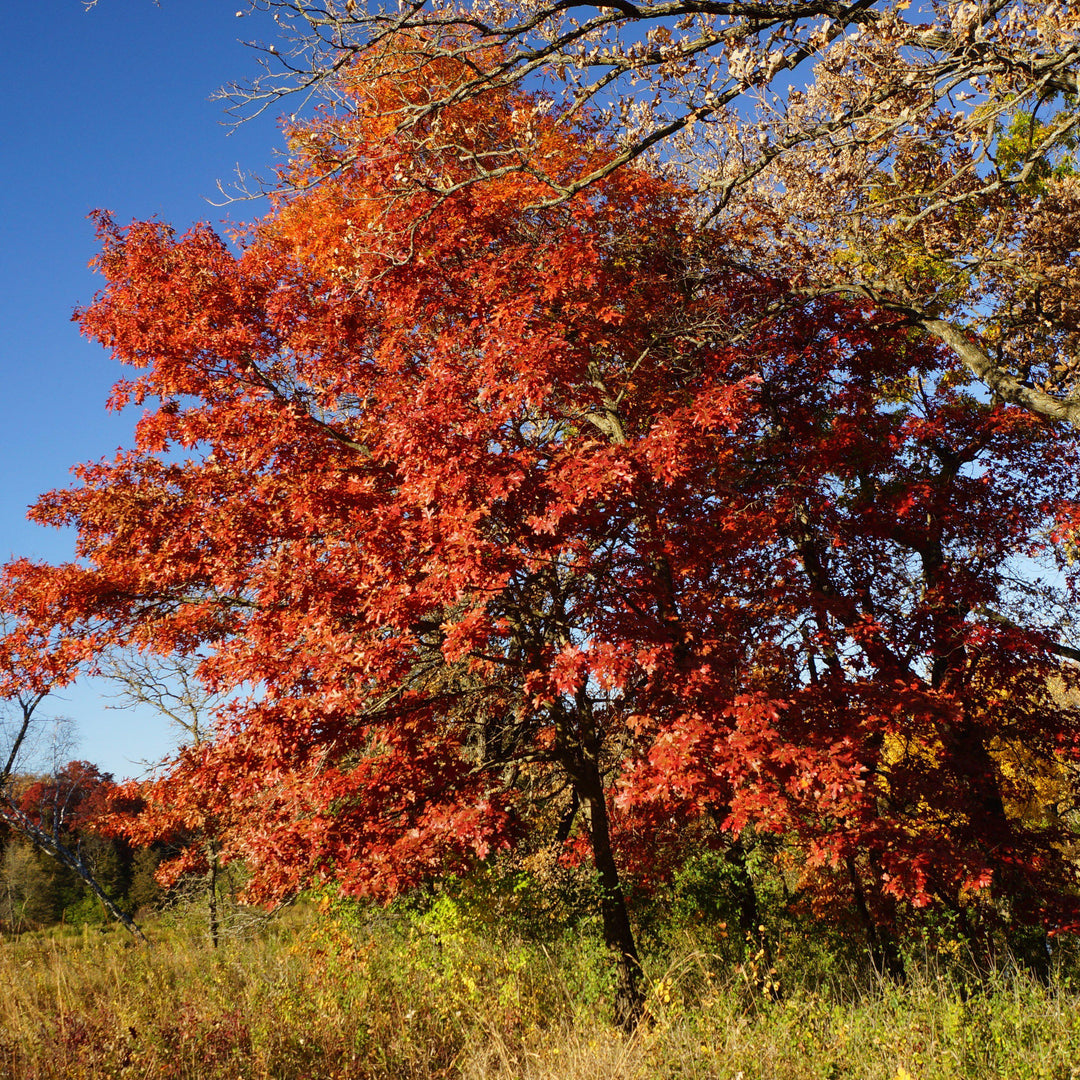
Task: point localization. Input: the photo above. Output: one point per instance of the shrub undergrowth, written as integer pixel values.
(444, 989)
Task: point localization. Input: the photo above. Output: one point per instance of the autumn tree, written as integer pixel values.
(911, 632)
(443, 557)
(50, 814)
(915, 156)
(55, 820)
(152, 812)
(492, 496)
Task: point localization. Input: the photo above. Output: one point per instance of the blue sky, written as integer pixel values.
(105, 108)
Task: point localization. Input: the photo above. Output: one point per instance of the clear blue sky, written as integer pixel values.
(104, 108)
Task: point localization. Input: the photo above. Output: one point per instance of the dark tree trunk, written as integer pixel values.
(618, 932)
(212, 897)
(749, 911)
(972, 763)
(884, 954)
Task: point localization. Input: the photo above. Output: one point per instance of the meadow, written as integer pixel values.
(328, 990)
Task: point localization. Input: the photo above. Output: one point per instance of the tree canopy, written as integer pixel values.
(500, 500)
(917, 156)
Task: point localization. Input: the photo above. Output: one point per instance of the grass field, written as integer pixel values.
(313, 994)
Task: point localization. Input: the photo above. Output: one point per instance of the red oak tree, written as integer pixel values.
(491, 499)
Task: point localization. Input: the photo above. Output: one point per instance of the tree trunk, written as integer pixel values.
(212, 897)
(884, 954)
(618, 933)
(971, 761)
(749, 912)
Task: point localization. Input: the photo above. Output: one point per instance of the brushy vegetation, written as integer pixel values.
(335, 990)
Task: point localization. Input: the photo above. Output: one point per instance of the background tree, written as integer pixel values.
(150, 813)
(67, 807)
(52, 813)
(28, 893)
(58, 816)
